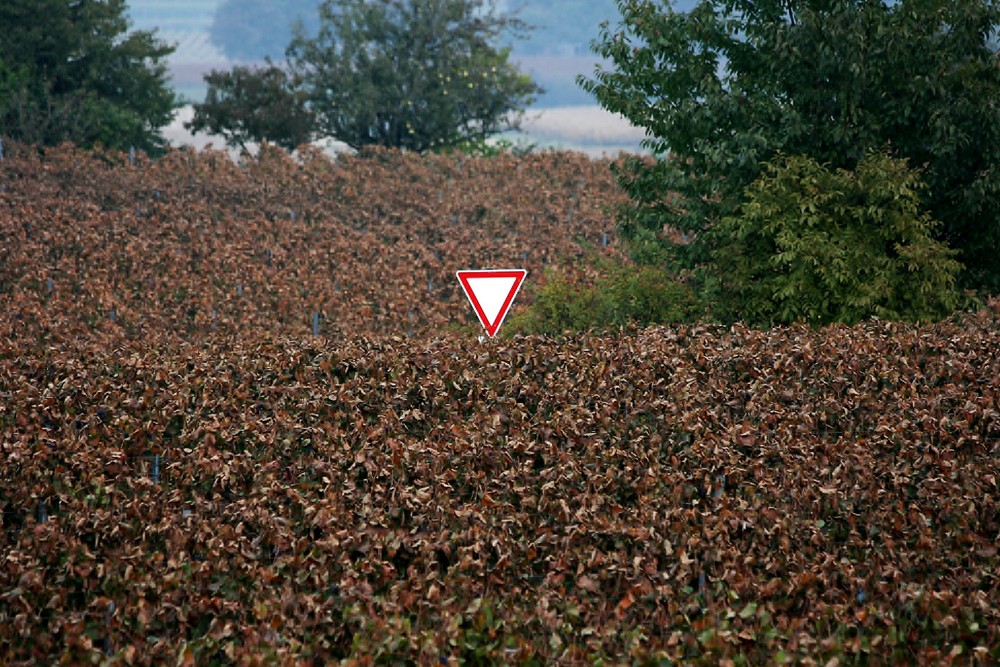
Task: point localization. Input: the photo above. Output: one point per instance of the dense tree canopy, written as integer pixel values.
(726, 86)
(71, 71)
(416, 74)
(827, 245)
(249, 104)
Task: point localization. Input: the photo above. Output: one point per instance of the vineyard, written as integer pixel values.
(245, 419)
(194, 243)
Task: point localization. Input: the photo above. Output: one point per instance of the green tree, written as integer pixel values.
(726, 86)
(71, 71)
(416, 74)
(622, 293)
(253, 104)
(827, 245)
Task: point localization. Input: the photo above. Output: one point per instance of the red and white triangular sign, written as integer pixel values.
(491, 291)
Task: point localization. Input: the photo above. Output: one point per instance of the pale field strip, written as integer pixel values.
(588, 129)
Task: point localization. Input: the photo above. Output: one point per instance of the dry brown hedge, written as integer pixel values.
(194, 243)
(696, 494)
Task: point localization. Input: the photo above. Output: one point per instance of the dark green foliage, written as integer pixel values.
(253, 105)
(621, 295)
(489, 148)
(411, 74)
(71, 71)
(821, 245)
(733, 82)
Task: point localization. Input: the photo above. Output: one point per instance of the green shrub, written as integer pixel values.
(488, 148)
(819, 245)
(621, 294)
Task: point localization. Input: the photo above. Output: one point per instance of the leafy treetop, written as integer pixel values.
(726, 86)
(411, 74)
(71, 71)
(248, 104)
(827, 245)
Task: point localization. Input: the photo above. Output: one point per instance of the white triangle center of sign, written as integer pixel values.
(491, 294)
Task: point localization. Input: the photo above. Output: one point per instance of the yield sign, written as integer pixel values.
(491, 292)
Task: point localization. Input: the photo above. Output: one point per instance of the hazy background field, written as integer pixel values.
(587, 129)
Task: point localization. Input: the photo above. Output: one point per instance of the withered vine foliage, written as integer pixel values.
(702, 494)
(194, 243)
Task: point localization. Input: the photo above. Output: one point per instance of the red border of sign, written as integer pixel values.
(517, 274)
